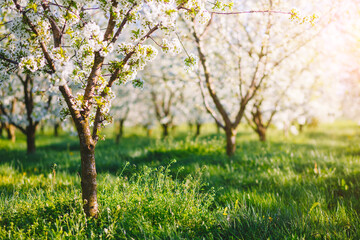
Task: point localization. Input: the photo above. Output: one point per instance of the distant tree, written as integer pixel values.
(235, 62)
(24, 102)
(127, 97)
(165, 85)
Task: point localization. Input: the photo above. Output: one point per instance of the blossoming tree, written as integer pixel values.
(75, 43)
(24, 105)
(234, 62)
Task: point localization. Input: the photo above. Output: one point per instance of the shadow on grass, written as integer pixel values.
(245, 170)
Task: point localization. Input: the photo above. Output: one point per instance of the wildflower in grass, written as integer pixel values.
(316, 171)
(225, 211)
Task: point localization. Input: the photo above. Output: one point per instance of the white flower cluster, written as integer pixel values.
(106, 102)
(191, 62)
(32, 63)
(77, 102)
(85, 55)
(163, 12)
(64, 67)
(91, 30)
(173, 46)
(106, 48)
(142, 54)
(203, 16)
(64, 70)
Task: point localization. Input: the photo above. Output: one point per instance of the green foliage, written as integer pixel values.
(303, 187)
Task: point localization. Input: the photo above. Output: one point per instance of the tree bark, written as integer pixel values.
(30, 139)
(230, 141)
(301, 127)
(165, 128)
(261, 131)
(11, 132)
(198, 127)
(56, 129)
(121, 130)
(42, 129)
(88, 176)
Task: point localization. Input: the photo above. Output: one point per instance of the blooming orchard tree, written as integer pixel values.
(165, 83)
(295, 92)
(236, 61)
(128, 100)
(9, 128)
(24, 102)
(289, 89)
(74, 42)
(193, 107)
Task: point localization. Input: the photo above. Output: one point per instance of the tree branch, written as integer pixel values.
(208, 80)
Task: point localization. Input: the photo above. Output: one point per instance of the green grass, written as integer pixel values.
(299, 187)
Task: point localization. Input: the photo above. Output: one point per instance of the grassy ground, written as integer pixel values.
(303, 187)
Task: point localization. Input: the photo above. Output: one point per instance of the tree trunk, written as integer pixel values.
(30, 139)
(42, 129)
(121, 130)
(11, 132)
(165, 128)
(301, 128)
(198, 126)
(230, 141)
(88, 176)
(56, 129)
(261, 131)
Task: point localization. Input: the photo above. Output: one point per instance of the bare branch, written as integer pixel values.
(208, 80)
(252, 11)
(207, 106)
(206, 27)
(3, 110)
(122, 24)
